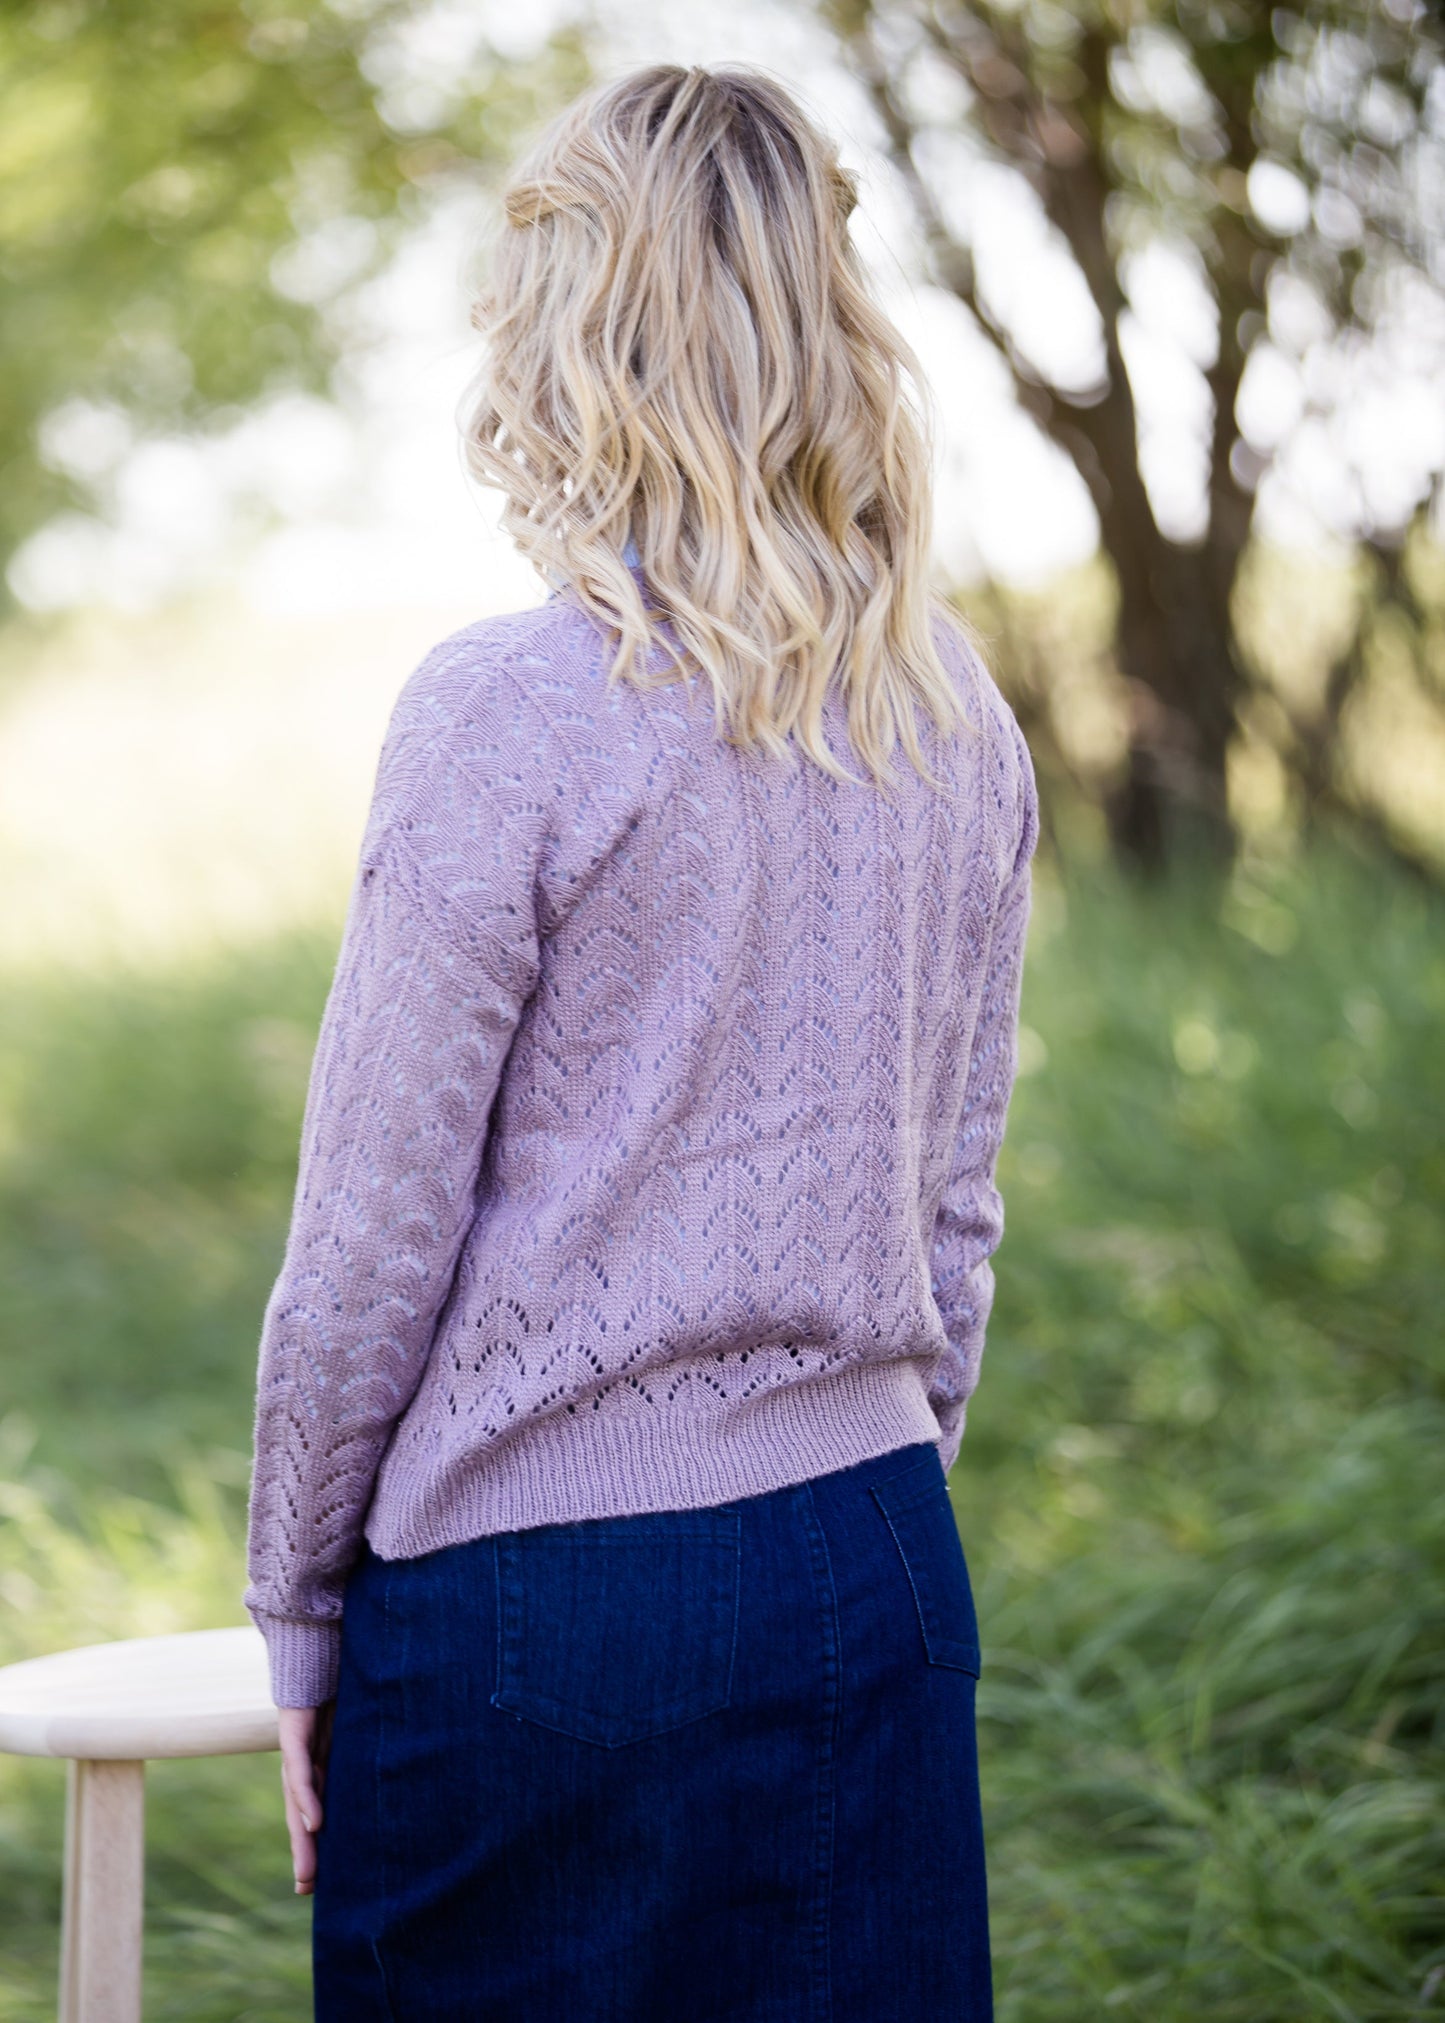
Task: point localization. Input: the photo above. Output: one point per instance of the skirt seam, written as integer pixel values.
(826, 1801)
(381, 1836)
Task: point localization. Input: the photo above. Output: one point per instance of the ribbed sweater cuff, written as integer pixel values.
(305, 1659)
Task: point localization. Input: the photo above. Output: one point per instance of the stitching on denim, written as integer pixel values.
(908, 1569)
(496, 1692)
(822, 1568)
(927, 1466)
(934, 1649)
(376, 1789)
(737, 1601)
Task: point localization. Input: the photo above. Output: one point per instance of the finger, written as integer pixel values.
(303, 1733)
(299, 1776)
(303, 1842)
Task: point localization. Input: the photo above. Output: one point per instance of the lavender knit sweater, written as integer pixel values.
(649, 1150)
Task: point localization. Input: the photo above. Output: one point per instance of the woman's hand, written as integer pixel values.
(305, 1745)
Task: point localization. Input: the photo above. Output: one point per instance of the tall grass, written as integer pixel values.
(1200, 1490)
(225, 1934)
(1201, 1484)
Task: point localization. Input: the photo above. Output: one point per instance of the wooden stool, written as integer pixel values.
(108, 1708)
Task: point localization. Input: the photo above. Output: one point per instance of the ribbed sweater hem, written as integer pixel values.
(582, 1465)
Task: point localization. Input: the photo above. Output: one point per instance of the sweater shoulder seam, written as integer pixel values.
(498, 667)
(502, 661)
(445, 912)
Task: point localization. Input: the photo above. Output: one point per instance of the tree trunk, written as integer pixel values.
(1174, 641)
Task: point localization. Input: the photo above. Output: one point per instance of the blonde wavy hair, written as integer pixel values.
(682, 351)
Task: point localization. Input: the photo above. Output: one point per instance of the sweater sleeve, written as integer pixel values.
(969, 1225)
(437, 959)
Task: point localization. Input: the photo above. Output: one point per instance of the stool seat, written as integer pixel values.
(204, 1693)
(108, 1708)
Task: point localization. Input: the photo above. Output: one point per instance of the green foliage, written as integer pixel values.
(150, 1137)
(156, 156)
(1198, 1489)
(1289, 157)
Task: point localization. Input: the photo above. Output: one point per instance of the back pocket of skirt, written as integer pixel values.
(920, 1516)
(614, 1629)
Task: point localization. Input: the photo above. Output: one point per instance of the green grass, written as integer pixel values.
(1200, 1491)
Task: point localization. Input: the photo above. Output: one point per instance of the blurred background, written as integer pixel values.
(1175, 270)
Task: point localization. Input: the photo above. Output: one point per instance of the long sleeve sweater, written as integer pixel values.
(649, 1150)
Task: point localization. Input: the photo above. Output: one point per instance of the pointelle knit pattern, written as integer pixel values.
(649, 1150)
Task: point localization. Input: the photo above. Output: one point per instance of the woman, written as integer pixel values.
(639, 1265)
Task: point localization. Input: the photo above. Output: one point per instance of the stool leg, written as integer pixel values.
(100, 1933)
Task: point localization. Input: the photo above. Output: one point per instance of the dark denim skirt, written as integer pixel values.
(704, 1766)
